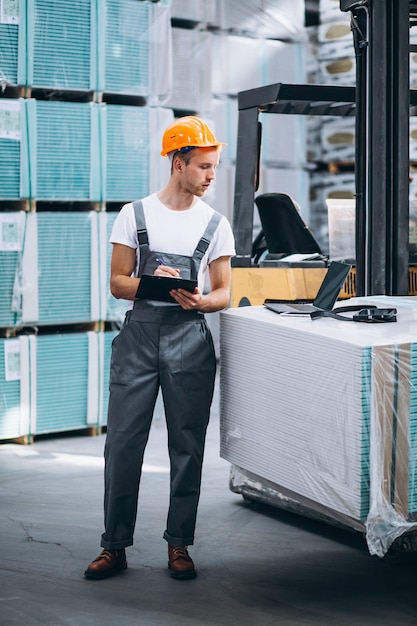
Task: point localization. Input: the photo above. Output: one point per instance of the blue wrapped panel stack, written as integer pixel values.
(65, 150)
(12, 232)
(118, 46)
(49, 45)
(134, 49)
(107, 345)
(66, 281)
(114, 309)
(62, 362)
(127, 140)
(14, 157)
(126, 47)
(62, 42)
(10, 405)
(9, 50)
(33, 369)
(9, 264)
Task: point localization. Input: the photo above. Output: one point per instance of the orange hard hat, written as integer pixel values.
(188, 132)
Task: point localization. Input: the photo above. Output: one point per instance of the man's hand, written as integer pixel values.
(166, 270)
(189, 301)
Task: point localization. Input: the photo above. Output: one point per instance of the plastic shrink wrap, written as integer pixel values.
(118, 47)
(320, 417)
(33, 367)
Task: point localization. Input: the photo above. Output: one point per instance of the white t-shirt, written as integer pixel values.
(174, 232)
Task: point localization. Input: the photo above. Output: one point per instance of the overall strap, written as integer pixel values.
(205, 240)
(143, 239)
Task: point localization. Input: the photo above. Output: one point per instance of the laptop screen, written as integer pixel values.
(331, 285)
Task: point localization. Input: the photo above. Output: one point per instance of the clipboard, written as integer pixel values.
(153, 287)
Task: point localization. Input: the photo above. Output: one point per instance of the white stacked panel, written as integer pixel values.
(263, 18)
(326, 186)
(342, 220)
(314, 149)
(249, 63)
(335, 39)
(336, 51)
(283, 140)
(293, 181)
(329, 11)
(331, 419)
(191, 84)
(283, 62)
(311, 64)
(185, 10)
(221, 196)
(413, 139)
(225, 114)
(296, 427)
(338, 139)
(413, 59)
(340, 71)
(413, 190)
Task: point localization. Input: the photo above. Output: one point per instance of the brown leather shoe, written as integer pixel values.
(107, 563)
(180, 563)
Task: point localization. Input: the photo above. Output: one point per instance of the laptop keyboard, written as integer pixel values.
(302, 306)
(289, 301)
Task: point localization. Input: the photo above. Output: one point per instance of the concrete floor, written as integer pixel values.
(257, 566)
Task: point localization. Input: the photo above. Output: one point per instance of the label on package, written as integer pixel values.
(9, 11)
(10, 120)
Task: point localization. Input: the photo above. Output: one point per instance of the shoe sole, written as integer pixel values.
(100, 575)
(181, 575)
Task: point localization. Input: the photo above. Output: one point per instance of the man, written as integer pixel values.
(172, 233)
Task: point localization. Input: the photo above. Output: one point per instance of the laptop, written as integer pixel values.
(326, 297)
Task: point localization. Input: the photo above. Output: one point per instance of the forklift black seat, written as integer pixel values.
(283, 227)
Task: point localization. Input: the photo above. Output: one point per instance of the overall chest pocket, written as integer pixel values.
(182, 263)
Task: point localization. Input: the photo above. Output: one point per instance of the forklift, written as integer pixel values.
(381, 103)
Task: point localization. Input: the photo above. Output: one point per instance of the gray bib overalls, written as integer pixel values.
(159, 346)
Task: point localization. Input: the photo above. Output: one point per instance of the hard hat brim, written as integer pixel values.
(209, 145)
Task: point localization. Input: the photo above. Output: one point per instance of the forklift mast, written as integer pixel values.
(381, 103)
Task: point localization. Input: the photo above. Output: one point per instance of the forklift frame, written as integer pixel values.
(381, 103)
